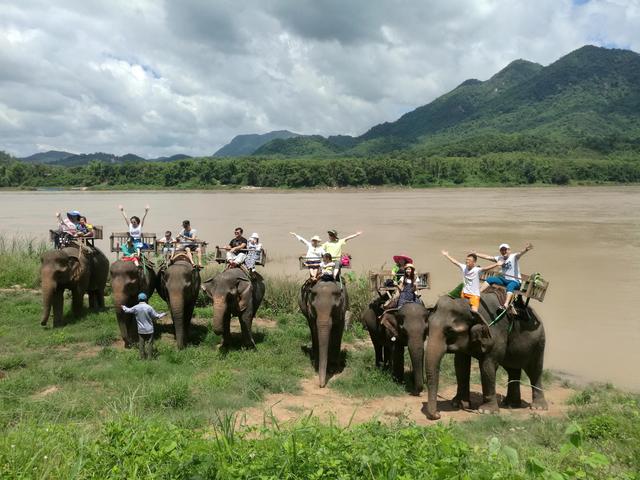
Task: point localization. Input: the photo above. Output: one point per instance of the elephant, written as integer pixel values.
(324, 305)
(235, 294)
(515, 344)
(127, 281)
(405, 327)
(79, 269)
(179, 284)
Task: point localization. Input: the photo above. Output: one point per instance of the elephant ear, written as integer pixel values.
(244, 294)
(480, 334)
(390, 322)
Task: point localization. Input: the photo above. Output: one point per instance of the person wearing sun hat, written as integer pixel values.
(398, 269)
(510, 276)
(334, 245)
(254, 247)
(314, 253)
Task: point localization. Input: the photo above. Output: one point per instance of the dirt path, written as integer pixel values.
(327, 403)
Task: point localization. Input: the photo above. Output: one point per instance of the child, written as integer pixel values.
(145, 315)
(254, 247)
(168, 243)
(314, 253)
(470, 277)
(130, 252)
(328, 270)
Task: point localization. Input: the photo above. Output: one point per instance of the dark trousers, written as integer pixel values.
(145, 345)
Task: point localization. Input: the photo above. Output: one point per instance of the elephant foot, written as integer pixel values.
(435, 415)
(539, 404)
(460, 403)
(511, 403)
(489, 407)
(250, 345)
(44, 323)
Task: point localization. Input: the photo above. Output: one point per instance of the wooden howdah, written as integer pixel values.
(528, 289)
(97, 235)
(116, 240)
(221, 256)
(379, 280)
(302, 263)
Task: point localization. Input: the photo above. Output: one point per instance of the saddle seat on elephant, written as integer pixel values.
(518, 311)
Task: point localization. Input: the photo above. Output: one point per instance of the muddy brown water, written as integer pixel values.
(587, 244)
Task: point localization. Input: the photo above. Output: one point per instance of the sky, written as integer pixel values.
(156, 78)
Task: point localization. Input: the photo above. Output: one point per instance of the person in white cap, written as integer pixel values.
(510, 277)
(254, 247)
(314, 253)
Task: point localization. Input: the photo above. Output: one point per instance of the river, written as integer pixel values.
(586, 239)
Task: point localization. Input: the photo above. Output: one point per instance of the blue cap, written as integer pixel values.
(73, 213)
(142, 297)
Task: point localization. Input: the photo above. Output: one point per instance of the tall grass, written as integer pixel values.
(20, 261)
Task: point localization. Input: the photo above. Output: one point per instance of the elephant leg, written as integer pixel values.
(398, 361)
(335, 343)
(513, 399)
(226, 330)
(77, 300)
(246, 323)
(100, 298)
(462, 365)
(386, 354)
(534, 373)
(377, 347)
(58, 307)
(488, 368)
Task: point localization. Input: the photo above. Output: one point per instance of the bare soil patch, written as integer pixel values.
(330, 405)
(45, 392)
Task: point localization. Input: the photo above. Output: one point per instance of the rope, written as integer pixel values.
(525, 384)
(497, 319)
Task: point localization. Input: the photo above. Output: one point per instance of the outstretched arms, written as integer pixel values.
(126, 219)
(346, 239)
(526, 248)
(450, 258)
(303, 240)
(485, 256)
(146, 210)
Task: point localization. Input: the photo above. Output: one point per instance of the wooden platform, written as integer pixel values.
(221, 256)
(379, 280)
(117, 239)
(302, 263)
(530, 288)
(96, 235)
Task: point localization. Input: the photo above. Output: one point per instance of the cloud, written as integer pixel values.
(158, 78)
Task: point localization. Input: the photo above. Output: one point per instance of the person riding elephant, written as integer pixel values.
(402, 327)
(235, 294)
(179, 284)
(127, 281)
(324, 305)
(516, 344)
(79, 269)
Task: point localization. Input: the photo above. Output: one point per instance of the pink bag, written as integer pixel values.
(345, 260)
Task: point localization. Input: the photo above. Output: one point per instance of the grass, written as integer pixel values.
(99, 412)
(20, 260)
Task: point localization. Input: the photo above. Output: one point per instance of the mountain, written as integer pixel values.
(299, 146)
(588, 99)
(243, 145)
(46, 157)
(172, 158)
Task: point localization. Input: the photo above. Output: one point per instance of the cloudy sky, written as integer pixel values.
(184, 76)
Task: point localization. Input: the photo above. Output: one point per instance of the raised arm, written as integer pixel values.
(450, 258)
(485, 256)
(492, 265)
(59, 218)
(126, 309)
(126, 219)
(146, 210)
(346, 239)
(526, 248)
(303, 240)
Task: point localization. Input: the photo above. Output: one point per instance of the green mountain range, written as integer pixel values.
(588, 100)
(66, 159)
(242, 145)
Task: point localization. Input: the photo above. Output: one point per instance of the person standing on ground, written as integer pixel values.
(470, 277)
(510, 277)
(145, 315)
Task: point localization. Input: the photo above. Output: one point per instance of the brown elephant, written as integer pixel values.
(405, 327)
(235, 294)
(127, 281)
(179, 284)
(79, 269)
(516, 345)
(324, 305)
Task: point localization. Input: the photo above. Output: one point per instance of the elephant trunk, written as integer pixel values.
(219, 313)
(436, 348)
(177, 315)
(324, 334)
(48, 293)
(416, 353)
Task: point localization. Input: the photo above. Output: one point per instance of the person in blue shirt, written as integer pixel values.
(145, 315)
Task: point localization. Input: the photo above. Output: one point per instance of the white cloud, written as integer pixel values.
(158, 78)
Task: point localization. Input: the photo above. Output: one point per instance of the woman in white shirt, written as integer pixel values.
(135, 227)
(315, 251)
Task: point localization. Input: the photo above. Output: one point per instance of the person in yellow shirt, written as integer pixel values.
(334, 244)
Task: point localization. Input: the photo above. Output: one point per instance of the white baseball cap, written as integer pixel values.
(503, 245)
(254, 235)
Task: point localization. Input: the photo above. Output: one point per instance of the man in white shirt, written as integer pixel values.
(188, 241)
(470, 277)
(510, 277)
(145, 316)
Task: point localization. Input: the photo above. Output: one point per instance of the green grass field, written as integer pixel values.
(75, 404)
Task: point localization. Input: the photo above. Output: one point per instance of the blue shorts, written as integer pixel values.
(510, 285)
